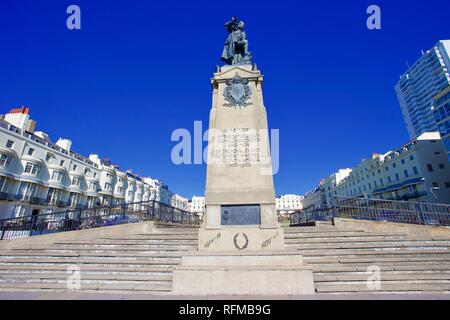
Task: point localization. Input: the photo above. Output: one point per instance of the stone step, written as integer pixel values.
(375, 259)
(344, 239)
(84, 277)
(152, 237)
(174, 250)
(310, 230)
(119, 246)
(126, 242)
(408, 266)
(348, 235)
(369, 245)
(385, 276)
(113, 269)
(128, 288)
(87, 255)
(332, 234)
(375, 252)
(98, 262)
(386, 286)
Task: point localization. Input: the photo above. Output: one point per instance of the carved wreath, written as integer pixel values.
(244, 246)
(237, 92)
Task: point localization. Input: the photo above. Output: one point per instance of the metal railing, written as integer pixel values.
(93, 218)
(377, 210)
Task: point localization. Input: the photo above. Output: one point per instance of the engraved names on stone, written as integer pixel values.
(238, 147)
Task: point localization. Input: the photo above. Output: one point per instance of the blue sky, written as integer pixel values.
(137, 70)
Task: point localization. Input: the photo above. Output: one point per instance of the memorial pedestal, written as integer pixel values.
(241, 244)
(245, 273)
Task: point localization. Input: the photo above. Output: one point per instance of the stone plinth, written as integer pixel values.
(242, 238)
(251, 272)
(239, 172)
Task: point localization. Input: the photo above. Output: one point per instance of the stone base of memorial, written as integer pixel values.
(244, 273)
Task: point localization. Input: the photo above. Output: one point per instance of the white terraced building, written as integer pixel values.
(429, 75)
(288, 203)
(416, 171)
(197, 205)
(38, 176)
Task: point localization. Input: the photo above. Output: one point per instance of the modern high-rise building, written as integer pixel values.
(441, 111)
(419, 84)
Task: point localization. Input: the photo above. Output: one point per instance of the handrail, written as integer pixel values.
(377, 210)
(76, 219)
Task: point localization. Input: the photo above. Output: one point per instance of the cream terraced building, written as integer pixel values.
(288, 203)
(417, 171)
(39, 177)
(197, 205)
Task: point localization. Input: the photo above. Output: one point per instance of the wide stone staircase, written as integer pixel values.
(142, 262)
(135, 263)
(343, 260)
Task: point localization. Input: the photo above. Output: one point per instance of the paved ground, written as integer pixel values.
(87, 296)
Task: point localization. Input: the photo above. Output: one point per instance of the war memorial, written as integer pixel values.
(241, 244)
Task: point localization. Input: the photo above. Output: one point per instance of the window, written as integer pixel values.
(441, 166)
(430, 167)
(57, 176)
(30, 151)
(394, 165)
(403, 161)
(397, 177)
(108, 186)
(4, 160)
(61, 163)
(92, 186)
(411, 157)
(75, 167)
(49, 194)
(19, 211)
(73, 199)
(26, 190)
(447, 184)
(415, 170)
(9, 144)
(32, 168)
(49, 156)
(406, 173)
(389, 179)
(76, 181)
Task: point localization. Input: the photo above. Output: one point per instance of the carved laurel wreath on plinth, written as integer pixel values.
(235, 239)
(237, 92)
